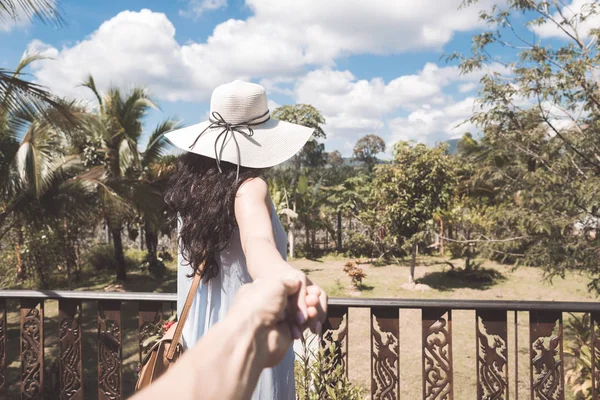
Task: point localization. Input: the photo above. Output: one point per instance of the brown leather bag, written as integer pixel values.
(168, 349)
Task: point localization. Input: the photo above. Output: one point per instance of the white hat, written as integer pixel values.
(241, 131)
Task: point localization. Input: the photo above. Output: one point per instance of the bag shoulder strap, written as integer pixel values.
(184, 313)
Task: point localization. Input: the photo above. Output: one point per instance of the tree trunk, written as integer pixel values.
(21, 275)
(339, 231)
(107, 231)
(69, 254)
(77, 252)
(307, 231)
(151, 242)
(291, 241)
(413, 262)
(291, 226)
(142, 237)
(442, 237)
(119, 254)
(468, 253)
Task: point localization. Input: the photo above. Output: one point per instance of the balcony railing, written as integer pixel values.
(491, 348)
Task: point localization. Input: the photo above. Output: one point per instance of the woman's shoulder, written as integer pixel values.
(254, 188)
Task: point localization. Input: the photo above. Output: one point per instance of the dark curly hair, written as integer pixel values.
(203, 198)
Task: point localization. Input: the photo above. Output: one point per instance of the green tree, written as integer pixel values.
(409, 191)
(119, 128)
(540, 119)
(311, 156)
(366, 150)
(44, 186)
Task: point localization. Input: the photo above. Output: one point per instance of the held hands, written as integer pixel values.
(308, 307)
(276, 311)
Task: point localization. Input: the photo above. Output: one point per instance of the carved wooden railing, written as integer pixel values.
(491, 347)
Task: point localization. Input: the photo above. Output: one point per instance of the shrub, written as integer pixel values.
(319, 377)
(578, 373)
(102, 258)
(355, 272)
(359, 245)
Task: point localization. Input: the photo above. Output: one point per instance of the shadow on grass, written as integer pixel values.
(314, 259)
(140, 281)
(365, 288)
(478, 279)
(307, 271)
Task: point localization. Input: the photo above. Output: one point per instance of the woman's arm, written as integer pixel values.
(253, 215)
(226, 363)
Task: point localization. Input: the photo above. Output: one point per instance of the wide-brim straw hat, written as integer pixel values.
(241, 131)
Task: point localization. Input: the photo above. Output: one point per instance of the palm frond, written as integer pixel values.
(20, 96)
(46, 11)
(157, 145)
(91, 84)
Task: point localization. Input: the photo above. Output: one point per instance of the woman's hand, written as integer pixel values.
(309, 305)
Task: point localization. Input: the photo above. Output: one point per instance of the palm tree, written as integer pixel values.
(18, 94)
(42, 183)
(155, 170)
(127, 168)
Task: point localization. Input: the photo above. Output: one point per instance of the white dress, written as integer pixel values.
(214, 298)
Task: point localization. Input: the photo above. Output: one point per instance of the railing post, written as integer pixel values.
(492, 354)
(149, 316)
(110, 381)
(546, 341)
(385, 354)
(2, 349)
(437, 354)
(335, 330)
(70, 359)
(32, 348)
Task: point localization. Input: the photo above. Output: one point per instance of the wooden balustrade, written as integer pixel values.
(491, 350)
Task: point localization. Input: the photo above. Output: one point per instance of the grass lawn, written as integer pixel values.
(381, 281)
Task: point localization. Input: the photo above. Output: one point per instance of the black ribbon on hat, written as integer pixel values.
(229, 130)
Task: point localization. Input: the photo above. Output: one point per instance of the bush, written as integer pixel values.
(319, 377)
(155, 266)
(355, 272)
(360, 245)
(578, 372)
(166, 256)
(102, 258)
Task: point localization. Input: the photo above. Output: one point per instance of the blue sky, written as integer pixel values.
(370, 67)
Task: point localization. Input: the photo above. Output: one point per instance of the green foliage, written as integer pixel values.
(538, 158)
(319, 377)
(102, 258)
(578, 372)
(360, 245)
(408, 192)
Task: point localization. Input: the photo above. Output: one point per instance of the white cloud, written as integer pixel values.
(570, 13)
(467, 87)
(435, 124)
(197, 7)
(7, 25)
(282, 39)
(354, 108)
